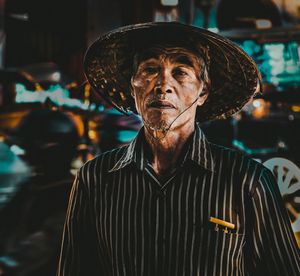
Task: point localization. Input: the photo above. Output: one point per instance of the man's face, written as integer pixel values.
(165, 85)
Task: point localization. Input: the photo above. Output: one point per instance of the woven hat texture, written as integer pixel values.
(234, 75)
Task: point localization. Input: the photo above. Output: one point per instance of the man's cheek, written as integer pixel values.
(140, 83)
(190, 88)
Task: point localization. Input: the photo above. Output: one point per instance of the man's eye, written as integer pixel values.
(150, 70)
(179, 72)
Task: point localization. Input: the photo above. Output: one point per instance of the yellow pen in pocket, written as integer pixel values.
(220, 222)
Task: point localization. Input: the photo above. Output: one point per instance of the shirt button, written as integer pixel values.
(160, 194)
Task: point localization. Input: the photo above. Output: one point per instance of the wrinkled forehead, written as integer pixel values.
(178, 55)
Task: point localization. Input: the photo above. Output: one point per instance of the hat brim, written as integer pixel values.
(234, 75)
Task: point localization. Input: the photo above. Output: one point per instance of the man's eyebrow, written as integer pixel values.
(150, 60)
(186, 60)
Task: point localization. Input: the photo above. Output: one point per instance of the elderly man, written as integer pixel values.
(171, 203)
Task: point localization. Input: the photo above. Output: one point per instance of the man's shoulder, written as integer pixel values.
(105, 161)
(218, 150)
(232, 157)
(245, 170)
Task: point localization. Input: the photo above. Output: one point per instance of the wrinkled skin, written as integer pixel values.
(167, 89)
(164, 86)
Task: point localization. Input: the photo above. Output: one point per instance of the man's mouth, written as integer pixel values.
(161, 105)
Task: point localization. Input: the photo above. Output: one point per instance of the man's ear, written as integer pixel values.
(204, 93)
(132, 92)
(131, 88)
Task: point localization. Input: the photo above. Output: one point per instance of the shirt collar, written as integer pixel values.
(198, 151)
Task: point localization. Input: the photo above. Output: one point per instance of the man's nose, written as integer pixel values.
(164, 83)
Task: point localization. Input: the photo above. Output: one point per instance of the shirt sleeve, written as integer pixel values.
(79, 254)
(273, 242)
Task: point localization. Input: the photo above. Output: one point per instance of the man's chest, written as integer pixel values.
(194, 196)
(139, 218)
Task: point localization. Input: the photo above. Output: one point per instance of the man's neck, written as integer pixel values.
(165, 151)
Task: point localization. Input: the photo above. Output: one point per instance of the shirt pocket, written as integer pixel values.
(223, 252)
(230, 242)
(219, 241)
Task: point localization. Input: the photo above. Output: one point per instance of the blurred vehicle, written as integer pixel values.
(32, 221)
(13, 174)
(268, 127)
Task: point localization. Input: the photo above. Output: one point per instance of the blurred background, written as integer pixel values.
(51, 121)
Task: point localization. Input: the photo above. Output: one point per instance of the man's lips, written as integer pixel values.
(161, 105)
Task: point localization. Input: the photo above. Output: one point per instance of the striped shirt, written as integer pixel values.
(123, 220)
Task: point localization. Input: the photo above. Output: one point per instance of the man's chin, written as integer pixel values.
(160, 125)
(165, 122)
